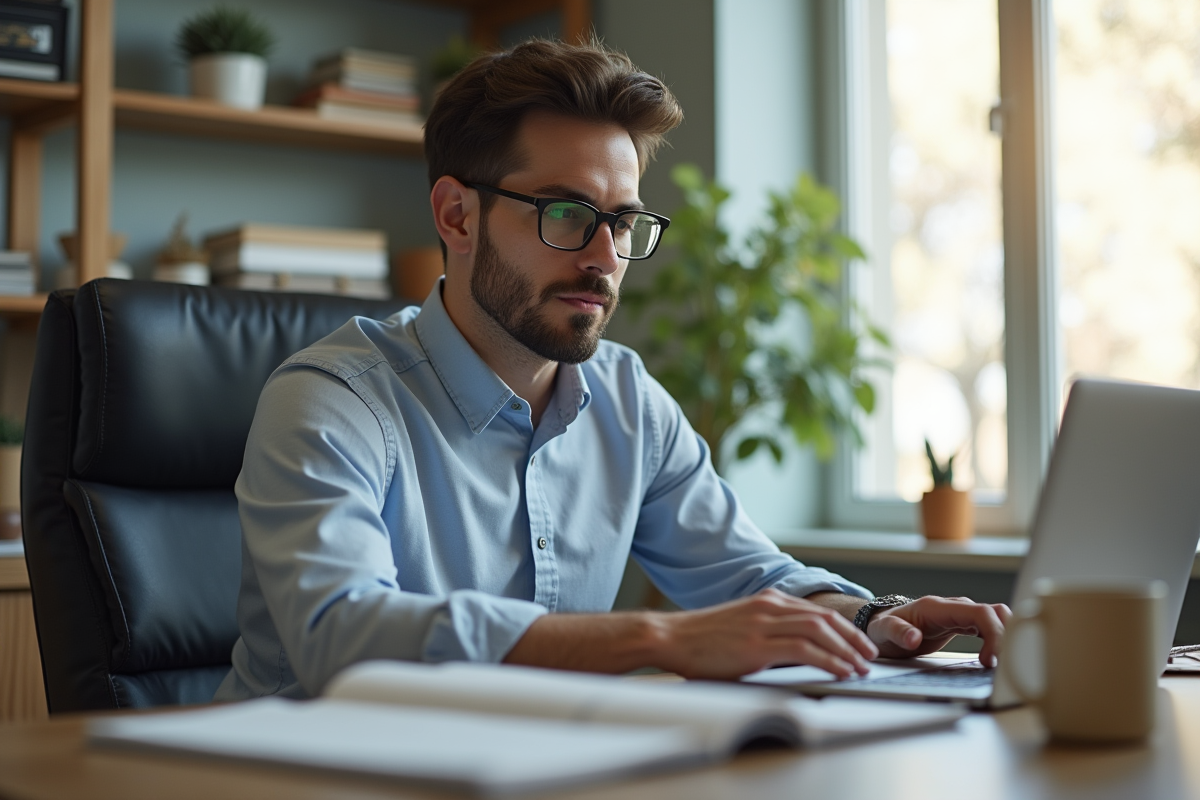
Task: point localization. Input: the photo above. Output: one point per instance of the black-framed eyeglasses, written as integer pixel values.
(570, 224)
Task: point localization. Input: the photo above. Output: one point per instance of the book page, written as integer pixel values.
(722, 715)
(480, 753)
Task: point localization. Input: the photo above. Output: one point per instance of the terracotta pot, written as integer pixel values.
(947, 513)
(10, 491)
(414, 272)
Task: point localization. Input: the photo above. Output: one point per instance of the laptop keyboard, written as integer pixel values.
(949, 677)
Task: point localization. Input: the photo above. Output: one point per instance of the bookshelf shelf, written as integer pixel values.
(37, 107)
(271, 124)
(23, 304)
(19, 96)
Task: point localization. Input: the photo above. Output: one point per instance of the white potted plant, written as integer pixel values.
(227, 50)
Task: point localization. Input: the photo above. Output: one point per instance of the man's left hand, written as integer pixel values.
(929, 623)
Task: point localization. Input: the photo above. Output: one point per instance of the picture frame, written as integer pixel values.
(33, 40)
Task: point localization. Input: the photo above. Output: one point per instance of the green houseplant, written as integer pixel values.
(449, 61)
(759, 327)
(226, 49)
(946, 512)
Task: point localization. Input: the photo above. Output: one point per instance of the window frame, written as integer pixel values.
(1033, 345)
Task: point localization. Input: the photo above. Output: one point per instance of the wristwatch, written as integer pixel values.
(882, 603)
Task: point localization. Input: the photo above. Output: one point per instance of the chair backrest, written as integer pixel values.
(141, 400)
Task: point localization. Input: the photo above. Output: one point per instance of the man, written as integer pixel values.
(467, 480)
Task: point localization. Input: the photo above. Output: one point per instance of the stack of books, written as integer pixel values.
(300, 259)
(364, 86)
(16, 273)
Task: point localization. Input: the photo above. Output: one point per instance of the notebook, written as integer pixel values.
(501, 729)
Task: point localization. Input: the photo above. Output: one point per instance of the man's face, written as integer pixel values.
(556, 303)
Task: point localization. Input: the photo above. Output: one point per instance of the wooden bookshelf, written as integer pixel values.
(271, 124)
(19, 97)
(98, 108)
(23, 304)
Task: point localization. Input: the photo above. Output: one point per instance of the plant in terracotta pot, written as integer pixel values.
(12, 432)
(227, 50)
(946, 512)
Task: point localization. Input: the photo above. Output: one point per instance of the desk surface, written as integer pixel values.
(988, 756)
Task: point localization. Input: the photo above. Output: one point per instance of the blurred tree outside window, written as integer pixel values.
(1124, 88)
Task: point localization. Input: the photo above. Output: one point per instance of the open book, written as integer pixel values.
(495, 729)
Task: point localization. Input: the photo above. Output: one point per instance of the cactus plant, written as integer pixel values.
(942, 476)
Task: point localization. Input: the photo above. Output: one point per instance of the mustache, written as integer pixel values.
(591, 284)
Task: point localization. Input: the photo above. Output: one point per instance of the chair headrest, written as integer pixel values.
(169, 374)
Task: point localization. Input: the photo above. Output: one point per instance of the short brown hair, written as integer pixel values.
(472, 127)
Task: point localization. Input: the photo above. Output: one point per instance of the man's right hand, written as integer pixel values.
(763, 630)
(720, 642)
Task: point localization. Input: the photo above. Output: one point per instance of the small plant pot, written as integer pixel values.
(232, 79)
(947, 514)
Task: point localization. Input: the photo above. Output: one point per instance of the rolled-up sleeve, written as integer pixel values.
(694, 538)
(311, 496)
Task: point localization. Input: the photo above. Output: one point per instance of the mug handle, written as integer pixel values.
(1013, 674)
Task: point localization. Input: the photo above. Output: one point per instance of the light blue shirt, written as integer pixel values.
(397, 502)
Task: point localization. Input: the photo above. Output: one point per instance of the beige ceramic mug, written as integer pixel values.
(1101, 655)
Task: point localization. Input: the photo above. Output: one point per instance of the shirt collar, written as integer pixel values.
(476, 390)
(571, 391)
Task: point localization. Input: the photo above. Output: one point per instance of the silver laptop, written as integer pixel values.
(1121, 500)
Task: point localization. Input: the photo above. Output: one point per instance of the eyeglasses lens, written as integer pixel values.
(569, 225)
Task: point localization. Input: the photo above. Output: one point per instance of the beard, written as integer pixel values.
(508, 298)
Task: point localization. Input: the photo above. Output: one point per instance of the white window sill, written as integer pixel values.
(895, 549)
(892, 549)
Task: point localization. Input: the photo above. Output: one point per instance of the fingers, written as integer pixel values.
(800, 651)
(899, 632)
(996, 616)
(829, 633)
(937, 620)
(798, 631)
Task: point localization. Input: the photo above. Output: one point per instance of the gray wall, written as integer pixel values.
(766, 102)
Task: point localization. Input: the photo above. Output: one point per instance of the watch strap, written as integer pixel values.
(882, 603)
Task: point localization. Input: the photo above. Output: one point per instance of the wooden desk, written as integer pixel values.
(22, 695)
(988, 756)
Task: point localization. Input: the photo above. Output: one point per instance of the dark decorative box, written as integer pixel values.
(33, 40)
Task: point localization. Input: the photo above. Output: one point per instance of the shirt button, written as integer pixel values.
(542, 543)
(516, 406)
(532, 460)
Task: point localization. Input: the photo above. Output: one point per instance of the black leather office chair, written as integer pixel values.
(140, 404)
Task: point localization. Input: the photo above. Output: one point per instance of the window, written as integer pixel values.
(943, 131)
(1026, 177)
(1128, 177)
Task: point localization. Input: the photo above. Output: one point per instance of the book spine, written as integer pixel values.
(349, 113)
(252, 257)
(332, 92)
(329, 238)
(285, 282)
(365, 83)
(11, 68)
